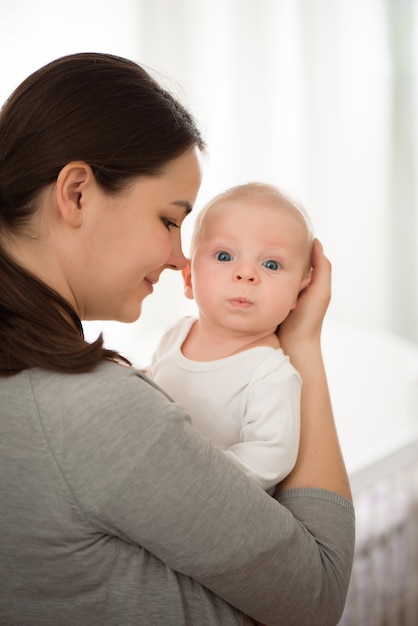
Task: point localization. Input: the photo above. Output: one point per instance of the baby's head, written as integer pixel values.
(250, 255)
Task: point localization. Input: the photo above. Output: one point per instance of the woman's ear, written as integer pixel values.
(72, 183)
(187, 277)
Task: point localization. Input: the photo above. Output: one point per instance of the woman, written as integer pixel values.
(113, 510)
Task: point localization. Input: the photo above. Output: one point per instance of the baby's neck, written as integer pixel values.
(203, 344)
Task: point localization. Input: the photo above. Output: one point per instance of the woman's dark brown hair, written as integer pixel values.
(97, 108)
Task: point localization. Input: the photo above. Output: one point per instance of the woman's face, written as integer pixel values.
(128, 239)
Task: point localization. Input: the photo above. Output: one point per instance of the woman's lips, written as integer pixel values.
(150, 284)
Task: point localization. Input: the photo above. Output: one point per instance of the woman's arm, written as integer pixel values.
(320, 462)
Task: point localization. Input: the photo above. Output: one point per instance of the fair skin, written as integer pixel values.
(103, 252)
(250, 260)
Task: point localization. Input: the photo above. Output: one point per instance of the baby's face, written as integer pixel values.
(249, 264)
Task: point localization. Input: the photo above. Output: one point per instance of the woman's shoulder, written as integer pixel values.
(101, 409)
(106, 377)
(107, 391)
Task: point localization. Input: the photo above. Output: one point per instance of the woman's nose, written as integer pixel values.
(177, 260)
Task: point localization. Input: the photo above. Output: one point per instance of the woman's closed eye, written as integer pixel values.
(223, 256)
(169, 224)
(270, 264)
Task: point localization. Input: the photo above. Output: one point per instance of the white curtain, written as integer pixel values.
(320, 98)
(316, 96)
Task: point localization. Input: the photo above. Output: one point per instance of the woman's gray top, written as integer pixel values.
(113, 511)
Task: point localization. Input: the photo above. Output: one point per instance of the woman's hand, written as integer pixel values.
(305, 321)
(319, 463)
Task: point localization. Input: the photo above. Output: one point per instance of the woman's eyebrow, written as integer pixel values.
(185, 204)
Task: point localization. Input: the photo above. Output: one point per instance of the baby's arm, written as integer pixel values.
(270, 426)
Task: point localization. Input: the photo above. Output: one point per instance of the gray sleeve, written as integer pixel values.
(139, 471)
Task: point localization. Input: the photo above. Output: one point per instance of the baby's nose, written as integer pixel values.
(246, 275)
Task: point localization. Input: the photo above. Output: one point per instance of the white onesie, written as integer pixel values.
(247, 404)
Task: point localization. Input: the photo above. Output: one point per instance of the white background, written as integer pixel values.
(316, 96)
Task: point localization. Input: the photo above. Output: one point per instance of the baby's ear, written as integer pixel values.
(304, 284)
(306, 281)
(187, 277)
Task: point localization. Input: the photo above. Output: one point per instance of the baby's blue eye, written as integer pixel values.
(271, 265)
(223, 256)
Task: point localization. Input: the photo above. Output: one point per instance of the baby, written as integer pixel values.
(250, 258)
